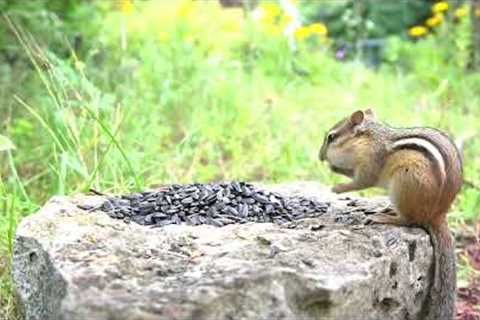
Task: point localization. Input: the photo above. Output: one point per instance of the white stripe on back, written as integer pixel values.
(430, 147)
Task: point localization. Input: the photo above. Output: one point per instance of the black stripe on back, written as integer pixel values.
(428, 135)
(427, 154)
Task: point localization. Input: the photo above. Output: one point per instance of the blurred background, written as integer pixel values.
(126, 95)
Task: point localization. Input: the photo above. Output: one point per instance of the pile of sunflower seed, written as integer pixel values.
(216, 204)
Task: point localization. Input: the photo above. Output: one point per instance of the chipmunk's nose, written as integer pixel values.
(321, 154)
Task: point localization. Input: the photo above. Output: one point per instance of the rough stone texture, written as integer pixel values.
(72, 264)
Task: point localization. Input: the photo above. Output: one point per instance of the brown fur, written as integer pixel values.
(420, 193)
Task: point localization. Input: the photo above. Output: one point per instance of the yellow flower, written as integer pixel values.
(435, 20)
(126, 6)
(417, 31)
(440, 7)
(302, 33)
(270, 11)
(432, 22)
(306, 31)
(461, 12)
(318, 28)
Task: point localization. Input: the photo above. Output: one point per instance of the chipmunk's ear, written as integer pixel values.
(357, 117)
(369, 113)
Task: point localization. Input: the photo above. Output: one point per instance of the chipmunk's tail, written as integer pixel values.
(440, 302)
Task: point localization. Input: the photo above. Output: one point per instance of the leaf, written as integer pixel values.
(6, 144)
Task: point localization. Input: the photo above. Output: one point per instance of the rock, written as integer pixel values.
(76, 264)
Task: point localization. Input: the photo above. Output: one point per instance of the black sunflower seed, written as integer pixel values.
(216, 204)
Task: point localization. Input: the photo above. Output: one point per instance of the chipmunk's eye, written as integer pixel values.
(331, 137)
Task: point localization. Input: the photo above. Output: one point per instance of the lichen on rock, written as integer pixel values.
(74, 264)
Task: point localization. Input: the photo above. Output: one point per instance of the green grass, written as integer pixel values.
(195, 109)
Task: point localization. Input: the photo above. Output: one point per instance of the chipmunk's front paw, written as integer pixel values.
(340, 188)
(382, 218)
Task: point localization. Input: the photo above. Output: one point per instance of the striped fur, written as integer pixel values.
(428, 149)
(422, 170)
(450, 155)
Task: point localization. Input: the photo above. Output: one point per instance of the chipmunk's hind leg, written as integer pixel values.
(414, 193)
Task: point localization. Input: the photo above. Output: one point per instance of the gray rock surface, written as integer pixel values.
(72, 264)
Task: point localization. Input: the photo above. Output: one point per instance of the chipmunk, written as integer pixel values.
(422, 170)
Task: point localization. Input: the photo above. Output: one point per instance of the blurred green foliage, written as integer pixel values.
(121, 96)
(351, 20)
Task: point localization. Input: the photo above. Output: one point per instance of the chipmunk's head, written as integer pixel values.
(340, 141)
